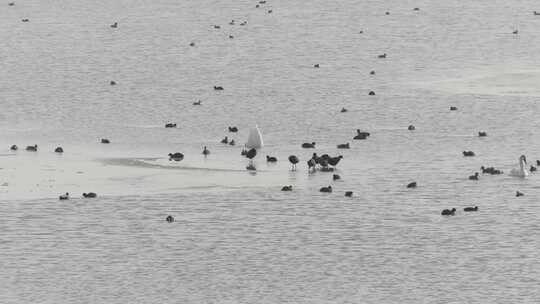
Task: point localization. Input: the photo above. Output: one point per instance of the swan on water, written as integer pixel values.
(522, 171)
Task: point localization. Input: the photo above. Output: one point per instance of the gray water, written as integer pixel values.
(237, 238)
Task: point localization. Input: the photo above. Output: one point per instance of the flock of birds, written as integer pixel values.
(323, 163)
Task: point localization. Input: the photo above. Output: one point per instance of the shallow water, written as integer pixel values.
(237, 238)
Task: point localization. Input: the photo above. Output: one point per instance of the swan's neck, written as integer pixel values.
(522, 165)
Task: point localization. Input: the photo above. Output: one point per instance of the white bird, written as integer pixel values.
(522, 171)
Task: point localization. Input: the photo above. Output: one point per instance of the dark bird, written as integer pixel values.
(470, 209)
(448, 212)
(326, 189)
(336, 177)
(89, 195)
(13, 3)
(14, 148)
(293, 160)
(333, 161)
(490, 170)
(482, 134)
(232, 22)
(474, 177)
(243, 23)
(64, 196)
(205, 151)
(176, 156)
(416, 9)
(371, 93)
(286, 188)
(192, 44)
(251, 153)
(114, 25)
(453, 108)
(515, 32)
(31, 148)
(311, 164)
(112, 82)
(372, 73)
(217, 26)
(231, 36)
(532, 169)
(218, 88)
(308, 145)
(344, 146)
(518, 194)
(269, 11)
(348, 194)
(225, 140)
(271, 159)
(233, 129)
(251, 167)
(105, 141)
(170, 125)
(537, 161)
(411, 185)
(411, 128)
(316, 65)
(25, 20)
(197, 103)
(59, 150)
(387, 13)
(382, 56)
(468, 153)
(361, 135)
(232, 143)
(169, 219)
(343, 110)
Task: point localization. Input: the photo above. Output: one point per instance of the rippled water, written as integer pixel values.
(237, 238)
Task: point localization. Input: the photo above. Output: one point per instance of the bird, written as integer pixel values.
(14, 148)
(218, 88)
(482, 134)
(269, 11)
(343, 146)
(515, 32)
(468, 153)
(89, 195)
(169, 219)
(192, 44)
(371, 93)
(416, 9)
(474, 177)
(308, 145)
(231, 36)
(232, 143)
(251, 153)
(32, 148)
(372, 73)
(361, 135)
(25, 20)
(114, 25)
(251, 167)
(411, 185)
(225, 140)
(59, 150)
(518, 194)
(348, 194)
(537, 161)
(112, 82)
(311, 163)
(232, 22)
(197, 103)
(316, 65)
(64, 196)
(205, 151)
(170, 125)
(490, 170)
(271, 159)
(176, 156)
(522, 170)
(336, 177)
(293, 159)
(453, 108)
(217, 26)
(13, 3)
(105, 141)
(448, 212)
(387, 13)
(343, 110)
(326, 189)
(233, 129)
(333, 161)
(382, 56)
(532, 169)
(411, 128)
(470, 209)
(286, 188)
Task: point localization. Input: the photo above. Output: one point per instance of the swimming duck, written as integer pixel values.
(176, 156)
(411, 128)
(326, 189)
(411, 185)
(14, 148)
(64, 196)
(336, 177)
(470, 209)
(225, 140)
(233, 129)
(271, 159)
(218, 88)
(316, 65)
(453, 108)
(251, 167)
(532, 168)
(286, 188)
(217, 26)
(343, 110)
(518, 194)
(482, 134)
(197, 103)
(382, 56)
(59, 150)
(348, 194)
(232, 142)
(371, 93)
(114, 25)
(474, 177)
(169, 219)
(89, 195)
(372, 73)
(170, 125)
(31, 148)
(192, 44)
(448, 212)
(308, 145)
(25, 20)
(333, 161)
(515, 32)
(468, 153)
(105, 141)
(343, 146)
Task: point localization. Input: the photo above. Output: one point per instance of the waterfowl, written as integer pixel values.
(371, 93)
(112, 82)
(25, 20)
(361, 135)
(218, 88)
(257, 6)
(361, 32)
(518, 194)
(308, 145)
(532, 169)
(343, 146)
(348, 194)
(205, 151)
(316, 65)
(192, 44)
(225, 140)
(286, 188)
(490, 170)
(232, 142)
(176, 156)
(233, 129)
(387, 13)
(411, 128)
(64, 196)
(59, 150)
(372, 73)
(470, 209)
(31, 148)
(382, 56)
(416, 9)
(343, 110)
(537, 162)
(169, 219)
(333, 161)
(105, 141)
(411, 185)
(217, 26)
(336, 177)
(114, 25)
(468, 153)
(448, 212)
(170, 125)
(311, 164)
(474, 177)
(232, 22)
(197, 103)
(14, 148)
(231, 36)
(269, 11)
(89, 195)
(522, 170)
(515, 32)
(251, 153)
(271, 159)
(13, 3)
(251, 167)
(243, 23)
(293, 159)
(262, 1)
(453, 108)
(482, 134)
(326, 189)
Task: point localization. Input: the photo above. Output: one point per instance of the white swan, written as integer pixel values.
(522, 171)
